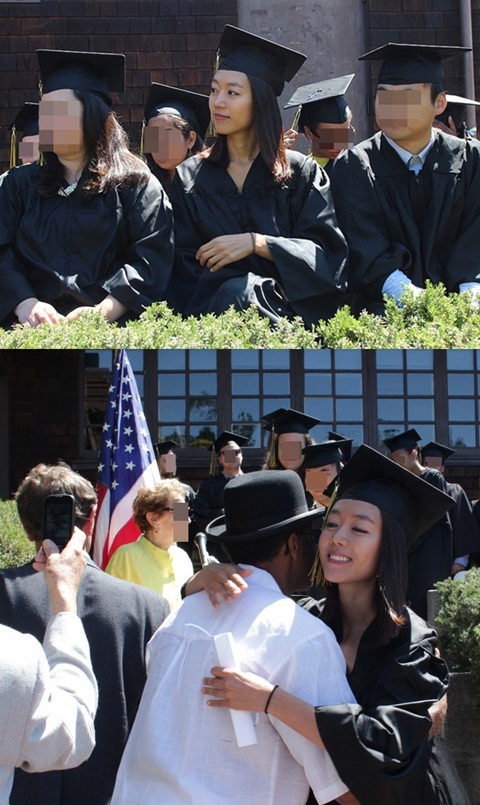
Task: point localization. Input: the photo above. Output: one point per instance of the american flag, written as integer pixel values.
(127, 462)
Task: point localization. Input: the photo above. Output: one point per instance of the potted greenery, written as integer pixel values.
(458, 623)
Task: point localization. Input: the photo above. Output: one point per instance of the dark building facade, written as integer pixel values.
(53, 402)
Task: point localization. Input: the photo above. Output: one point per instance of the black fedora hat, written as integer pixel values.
(260, 504)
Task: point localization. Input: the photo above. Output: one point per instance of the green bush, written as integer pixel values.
(432, 320)
(459, 619)
(15, 548)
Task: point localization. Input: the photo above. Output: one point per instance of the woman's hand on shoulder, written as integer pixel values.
(33, 312)
(220, 581)
(226, 249)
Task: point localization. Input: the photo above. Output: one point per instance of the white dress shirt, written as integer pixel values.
(182, 751)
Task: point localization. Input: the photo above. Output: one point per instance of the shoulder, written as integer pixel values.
(194, 170)
(124, 598)
(20, 178)
(20, 658)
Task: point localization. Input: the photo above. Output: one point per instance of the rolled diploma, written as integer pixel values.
(241, 719)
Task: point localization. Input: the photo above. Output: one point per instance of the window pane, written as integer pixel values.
(203, 410)
(203, 358)
(171, 385)
(245, 383)
(135, 356)
(176, 433)
(419, 358)
(251, 432)
(460, 359)
(461, 435)
(203, 384)
(318, 383)
(388, 431)
(461, 384)
(317, 359)
(389, 384)
(461, 410)
(390, 409)
(139, 381)
(171, 411)
(349, 384)
(272, 403)
(419, 410)
(420, 384)
(389, 359)
(276, 383)
(202, 436)
(354, 432)
(427, 432)
(99, 357)
(348, 359)
(171, 359)
(321, 407)
(244, 410)
(244, 358)
(351, 410)
(276, 359)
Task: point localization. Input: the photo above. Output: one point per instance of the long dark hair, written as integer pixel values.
(269, 129)
(272, 461)
(109, 161)
(391, 588)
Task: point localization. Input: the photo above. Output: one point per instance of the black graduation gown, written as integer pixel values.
(309, 251)
(431, 555)
(208, 502)
(380, 746)
(426, 226)
(72, 252)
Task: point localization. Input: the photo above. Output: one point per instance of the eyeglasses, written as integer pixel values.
(167, 509)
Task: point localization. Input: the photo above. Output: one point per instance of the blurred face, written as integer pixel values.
(231, 103)
(170, 522)
(405, 458)
(168, 463)
(405, 112)
(166, 143)
(60, 123)
(230, 457)
(290, 446)
(350, 543)
(28, 149)
(434, 462)
(317, 479)
(328, 139)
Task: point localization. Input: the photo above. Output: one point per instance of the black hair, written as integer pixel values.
(185, 128)
(109, 160)
(269, 129)
(391, 588)
(256, 552)
(436, 88)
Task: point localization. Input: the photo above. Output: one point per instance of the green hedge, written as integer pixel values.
(433, 320)
(15, 548)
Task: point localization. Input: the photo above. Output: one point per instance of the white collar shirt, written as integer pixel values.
(182, 751)
(406, 156)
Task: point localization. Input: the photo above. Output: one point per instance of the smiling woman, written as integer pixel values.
(254, 223)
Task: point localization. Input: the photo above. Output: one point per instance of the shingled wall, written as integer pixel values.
(169, 41)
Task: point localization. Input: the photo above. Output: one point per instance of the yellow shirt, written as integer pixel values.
(163, 571)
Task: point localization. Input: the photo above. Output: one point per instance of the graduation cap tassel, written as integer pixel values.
(213, 462)
(272, 459)
(13, 147)
(142, 138)
(296, 118)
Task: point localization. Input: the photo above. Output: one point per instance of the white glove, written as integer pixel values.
(473, 287)
(396, 283)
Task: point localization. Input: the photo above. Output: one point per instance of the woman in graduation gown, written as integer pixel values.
(254, 223)
(381, 746)
(174, 123)
(91, 227)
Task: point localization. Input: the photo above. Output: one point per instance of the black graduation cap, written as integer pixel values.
(247, 53)
(98, 73)
(322, 102)
(161, 448)
(191, 106)
(224, 438)
(26, 120)
(437, 450)
(337, 437)
(412, 64)
(407, 440)
(374, 478)
(329, 452)
(287, 420)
